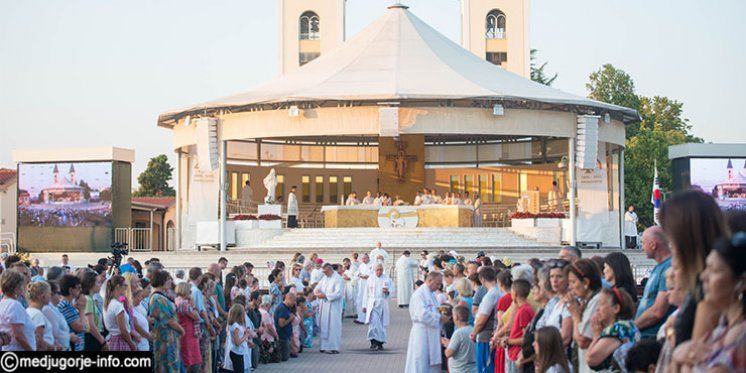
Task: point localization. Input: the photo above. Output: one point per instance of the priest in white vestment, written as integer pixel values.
(363, 273)
(379, 251)
(406, 270)
(376, 309)
(368, 200)
(350, 291)
(330, 291)
(423, 350)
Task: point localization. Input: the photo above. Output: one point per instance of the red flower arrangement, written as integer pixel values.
(269, 217)
(244, 217)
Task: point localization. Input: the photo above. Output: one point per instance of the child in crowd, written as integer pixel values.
(550, 354)
(140, 318)
(189, 320)
(524, 313)
(308, 315)
(459, 349)
(295, 345)
(314, 305)
(236, 346)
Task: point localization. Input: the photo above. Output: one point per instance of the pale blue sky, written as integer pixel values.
(78, 73)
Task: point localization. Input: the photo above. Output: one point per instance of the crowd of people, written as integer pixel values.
(82, 215)
(193, 321)
(573, 314)
(482, 314)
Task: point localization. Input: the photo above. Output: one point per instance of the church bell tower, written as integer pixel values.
(497, 30)
(309, 28)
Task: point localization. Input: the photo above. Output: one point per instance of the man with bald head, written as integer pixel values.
(423, 351)
(330, 292)
(654, 308)
(376, 307)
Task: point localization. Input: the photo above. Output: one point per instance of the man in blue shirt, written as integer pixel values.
(284, 317)
(654, 308)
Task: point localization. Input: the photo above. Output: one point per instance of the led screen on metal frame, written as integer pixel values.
(74, 194)
(723, 178)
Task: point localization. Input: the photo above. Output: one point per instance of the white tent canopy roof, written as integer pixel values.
(397, 58)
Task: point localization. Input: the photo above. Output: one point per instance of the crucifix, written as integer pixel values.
(401, 159)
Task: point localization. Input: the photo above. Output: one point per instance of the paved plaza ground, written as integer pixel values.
(355, 355)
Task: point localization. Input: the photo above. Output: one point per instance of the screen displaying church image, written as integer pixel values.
(724, 178)
(65, 194)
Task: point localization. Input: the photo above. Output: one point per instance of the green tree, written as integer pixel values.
(614, 86)
(537, 73)
(154, 180)
(662, 124)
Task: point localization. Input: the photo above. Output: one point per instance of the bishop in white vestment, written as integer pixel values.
(376, 302)
(406, 270)
(330, 291)
(423, 350)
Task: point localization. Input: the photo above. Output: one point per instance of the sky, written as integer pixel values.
(84, 73)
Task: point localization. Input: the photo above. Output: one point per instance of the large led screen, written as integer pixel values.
(724, 178)
(64, 194)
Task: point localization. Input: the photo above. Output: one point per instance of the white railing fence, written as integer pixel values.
(137, 239)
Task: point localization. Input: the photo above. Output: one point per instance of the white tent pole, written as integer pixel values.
(573, 185)
(177, 236)
(150, 239)
(223, 192)
(621, 199)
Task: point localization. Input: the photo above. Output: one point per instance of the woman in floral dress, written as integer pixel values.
(166, 328)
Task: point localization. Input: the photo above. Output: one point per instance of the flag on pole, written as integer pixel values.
(655, 197)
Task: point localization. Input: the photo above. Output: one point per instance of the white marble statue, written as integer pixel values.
(270, 182)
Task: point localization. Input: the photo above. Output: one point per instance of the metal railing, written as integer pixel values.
(137, 239)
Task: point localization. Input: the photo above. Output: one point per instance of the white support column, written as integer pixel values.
(177, 237)
(150, 239)
(223, 192)
(573, 186)
(622, 206)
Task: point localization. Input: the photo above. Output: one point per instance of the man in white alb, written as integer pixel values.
(377, 252)
(330, 291)
(292, 209)
(406, 270)
(376, 309)
(247, 195)
(630, 228)
(363, 273)
(423, 350)
(368, 200)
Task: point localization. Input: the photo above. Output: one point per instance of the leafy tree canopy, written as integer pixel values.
(154, 180)
(647, 142)
(537, 73)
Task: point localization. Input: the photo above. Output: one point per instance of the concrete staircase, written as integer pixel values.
(337, 243)
(413, 238)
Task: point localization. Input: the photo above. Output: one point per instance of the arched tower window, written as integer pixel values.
(309, 26)
(495, 25)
